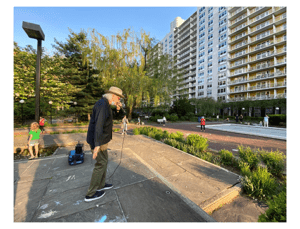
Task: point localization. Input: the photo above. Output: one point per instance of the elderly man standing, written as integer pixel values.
(98, 135)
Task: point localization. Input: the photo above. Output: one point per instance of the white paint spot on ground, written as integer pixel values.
(78, 202)
(71, 178)
(47, 214)
(57, 203)
(44, 206)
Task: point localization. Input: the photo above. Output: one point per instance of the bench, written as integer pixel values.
(160, 121)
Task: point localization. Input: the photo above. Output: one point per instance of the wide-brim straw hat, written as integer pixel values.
(115, 90)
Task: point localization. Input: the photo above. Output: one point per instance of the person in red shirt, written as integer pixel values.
(42, 123)
(202, 122)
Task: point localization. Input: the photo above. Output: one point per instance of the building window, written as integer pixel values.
(223, 29)
(201, 74)
(201, 81)
(201, 61)
(222, 90)
(221, 68)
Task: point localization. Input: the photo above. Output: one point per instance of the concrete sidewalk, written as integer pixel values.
(154, 183)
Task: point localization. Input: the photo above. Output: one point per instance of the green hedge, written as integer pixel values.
(276, 119)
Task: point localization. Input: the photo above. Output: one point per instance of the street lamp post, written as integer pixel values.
(22, 101)
(36, 32)
(75, 103)
(50, 102)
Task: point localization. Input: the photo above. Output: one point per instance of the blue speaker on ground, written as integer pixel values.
(76, 156)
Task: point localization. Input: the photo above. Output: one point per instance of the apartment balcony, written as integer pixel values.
(263, 36)
(260, 47)
(236, 30)
(260, 18)
(237, 21)
(281, 40)
(261, 66)
(262, 56)
(238, 64)
(260, 77)
(239, 72)
(279, 10)
(238, 90)
(262, 97)
(238, 46)
(236, 99)
(237, 56)
(238, 81)
(237, 13)
(280, 62)
(261, 27)
(280, 52)
(258, 10)
(280, 30)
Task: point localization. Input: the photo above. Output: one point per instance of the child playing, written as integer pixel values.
(125, 122)
(34, 136)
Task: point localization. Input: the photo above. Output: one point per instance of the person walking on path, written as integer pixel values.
(164, 120)
(124, 123)
(237, 118)
(42, 124)
(98, 135)
(33, 140)
(266, 121)
(139, 121)
(241, 118)
(202, 121)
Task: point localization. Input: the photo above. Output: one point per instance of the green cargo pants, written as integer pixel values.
(99, 172)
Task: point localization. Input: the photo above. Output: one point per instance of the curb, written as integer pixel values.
(222, 198)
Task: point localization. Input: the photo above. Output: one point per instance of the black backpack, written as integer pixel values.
(76, 156)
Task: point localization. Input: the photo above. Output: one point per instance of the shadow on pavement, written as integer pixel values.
(49, 190)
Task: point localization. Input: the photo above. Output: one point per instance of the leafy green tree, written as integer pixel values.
(182, 107)
(51, 87)
(207, 106)
(89, 87)
(120, 63)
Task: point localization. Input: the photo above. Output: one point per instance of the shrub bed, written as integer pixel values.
(257, 182)
(274, 161)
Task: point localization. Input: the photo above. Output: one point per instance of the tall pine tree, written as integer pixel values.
(80, 74)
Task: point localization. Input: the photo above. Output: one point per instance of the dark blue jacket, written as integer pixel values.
(101, 123)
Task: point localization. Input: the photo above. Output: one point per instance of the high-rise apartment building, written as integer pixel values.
(233, 54)
(257, 53)
(200, 45)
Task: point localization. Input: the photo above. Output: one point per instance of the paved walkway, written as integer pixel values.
(154, 183)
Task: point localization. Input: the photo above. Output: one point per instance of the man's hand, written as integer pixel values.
(95, 153)
(119, 105)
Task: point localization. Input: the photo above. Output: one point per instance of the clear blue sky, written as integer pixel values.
(55, 21)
